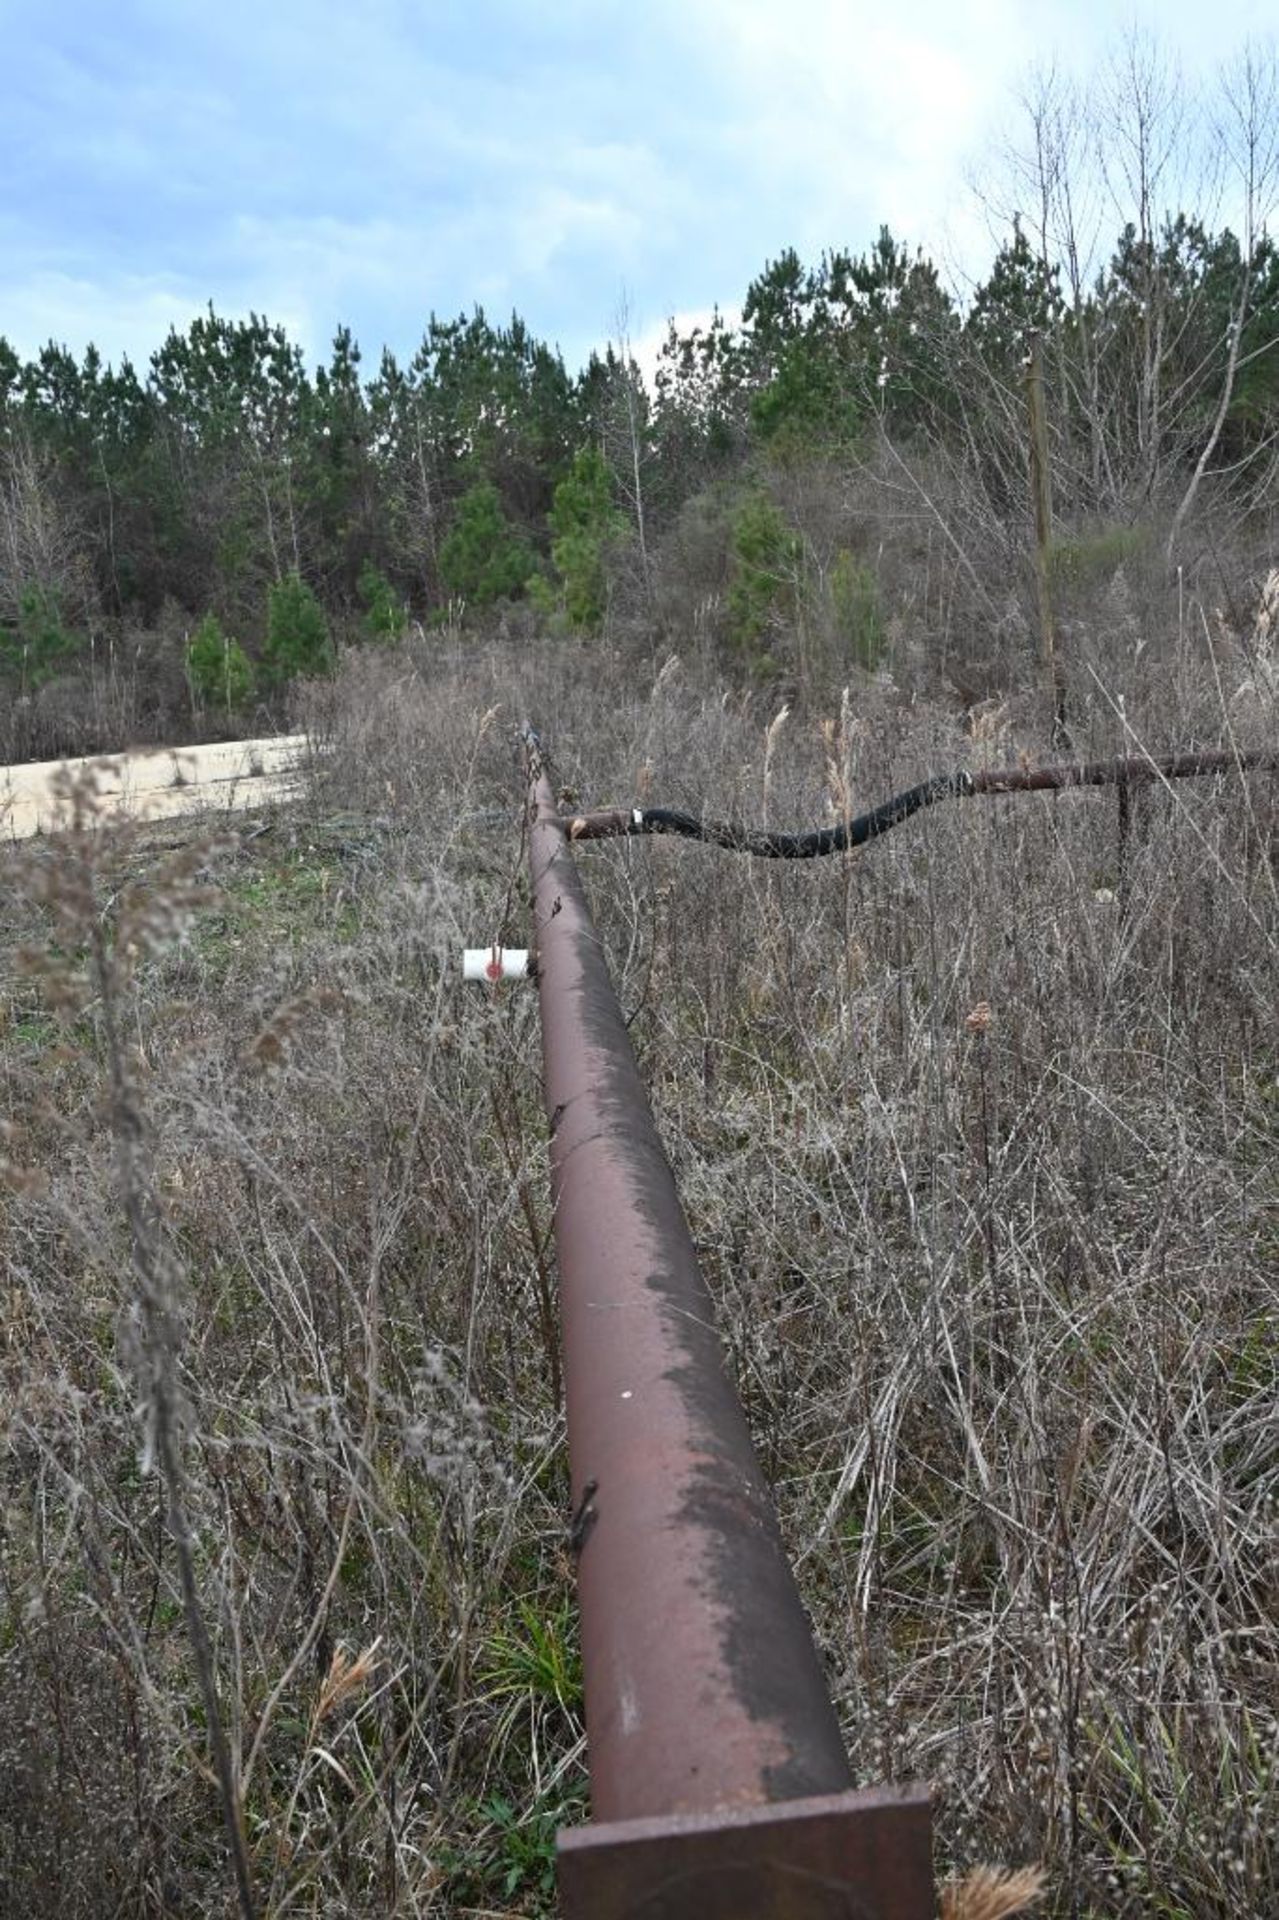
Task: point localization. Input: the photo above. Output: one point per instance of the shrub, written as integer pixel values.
(1093, 559)
(385, 614)
(854, 598)
(33, 651)
(767, 556)
(218, 669)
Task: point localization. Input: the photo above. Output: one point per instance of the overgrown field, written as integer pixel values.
(977, 1132)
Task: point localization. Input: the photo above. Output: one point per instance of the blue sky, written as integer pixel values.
(373, 162)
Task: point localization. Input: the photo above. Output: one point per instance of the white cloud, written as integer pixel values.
(373, 165)
(125, 316)
(847, 119)
(647, 344)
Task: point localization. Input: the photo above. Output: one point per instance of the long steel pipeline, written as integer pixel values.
(703, 1687)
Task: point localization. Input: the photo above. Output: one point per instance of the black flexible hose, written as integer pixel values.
(803, 846)
(1138, 769)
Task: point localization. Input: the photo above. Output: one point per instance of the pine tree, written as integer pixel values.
(583, 520)
(218, 668)
(297, 640)
(484, 558)
(34, 649)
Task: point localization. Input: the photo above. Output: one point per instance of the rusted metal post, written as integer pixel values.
(719, 1782)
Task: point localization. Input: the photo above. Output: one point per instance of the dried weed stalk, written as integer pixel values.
(997, 1293)
(102, 929)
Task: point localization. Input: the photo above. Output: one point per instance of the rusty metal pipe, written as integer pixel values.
(703, 1687)
(719, 1784)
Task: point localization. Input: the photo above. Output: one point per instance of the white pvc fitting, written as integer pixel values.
(495, 963)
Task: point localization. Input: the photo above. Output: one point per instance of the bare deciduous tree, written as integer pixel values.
(41, 544)
(1248, 133)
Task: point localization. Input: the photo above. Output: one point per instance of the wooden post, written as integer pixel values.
(1041, 493)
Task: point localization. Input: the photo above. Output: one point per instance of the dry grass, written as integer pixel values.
(977, 1134)
(987, 1893)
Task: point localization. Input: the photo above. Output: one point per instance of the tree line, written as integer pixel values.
(267, 501)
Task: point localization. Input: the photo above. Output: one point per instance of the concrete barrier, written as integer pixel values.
(155, 783)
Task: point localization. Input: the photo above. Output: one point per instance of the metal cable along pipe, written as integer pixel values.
(719, 1783)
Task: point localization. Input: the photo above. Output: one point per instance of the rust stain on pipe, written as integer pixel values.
(703, 1688)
